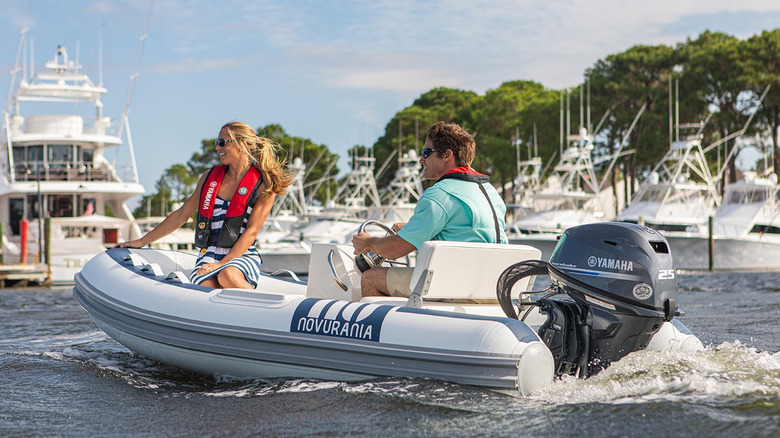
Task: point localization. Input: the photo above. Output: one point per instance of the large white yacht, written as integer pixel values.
(54, 165)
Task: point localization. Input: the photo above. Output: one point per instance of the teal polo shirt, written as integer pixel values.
(455, 210)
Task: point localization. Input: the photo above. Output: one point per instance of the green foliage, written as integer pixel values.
(407, 129)
(763, 69)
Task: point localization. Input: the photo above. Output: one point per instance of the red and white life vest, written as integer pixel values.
(239, 208)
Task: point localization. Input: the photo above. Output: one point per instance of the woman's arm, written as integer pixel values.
(173, 222)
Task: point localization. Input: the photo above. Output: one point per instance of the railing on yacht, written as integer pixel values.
(59, 171)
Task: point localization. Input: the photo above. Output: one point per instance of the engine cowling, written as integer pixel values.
(622, 286)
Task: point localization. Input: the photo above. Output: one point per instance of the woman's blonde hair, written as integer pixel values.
(262, 154)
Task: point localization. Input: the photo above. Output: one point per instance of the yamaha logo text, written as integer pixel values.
(209, 195)
(603, 262)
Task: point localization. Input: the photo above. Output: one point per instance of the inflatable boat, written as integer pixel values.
(470, 319)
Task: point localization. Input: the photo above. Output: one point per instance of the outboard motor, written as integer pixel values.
(620, 285)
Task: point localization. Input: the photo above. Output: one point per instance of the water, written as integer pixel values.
(61, 376)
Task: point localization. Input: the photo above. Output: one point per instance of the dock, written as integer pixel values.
(22, 274)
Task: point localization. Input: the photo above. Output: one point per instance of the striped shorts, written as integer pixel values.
(248, 264)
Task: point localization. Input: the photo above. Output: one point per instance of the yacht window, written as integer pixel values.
(85, 155)
(734, 198)
(32, 207)
(765, 229)
(758, 196)
(16, 213)
(60, 159)
(60, 154)
(60, 205)
(19, 158)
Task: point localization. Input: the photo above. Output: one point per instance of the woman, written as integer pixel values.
(232, 201)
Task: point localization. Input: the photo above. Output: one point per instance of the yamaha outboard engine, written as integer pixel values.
(620, 285)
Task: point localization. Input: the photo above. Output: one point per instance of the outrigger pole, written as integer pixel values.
(125, 120)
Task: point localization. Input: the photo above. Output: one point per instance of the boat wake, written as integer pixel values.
(728, 371)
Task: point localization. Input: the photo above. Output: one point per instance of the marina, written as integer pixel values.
(636, 296)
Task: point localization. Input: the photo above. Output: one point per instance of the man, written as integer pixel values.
(460, 206)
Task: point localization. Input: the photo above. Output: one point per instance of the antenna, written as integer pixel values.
(582, 111)
(560, 149)
(137, 63)
(100, 56)
(125, 122)
(19, 55)
(24, 64)
(677, 108)
(588, 125)
(671, 121)
(536, 145)
(568, 116)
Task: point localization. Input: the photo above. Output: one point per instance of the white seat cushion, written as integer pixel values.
(466, 270)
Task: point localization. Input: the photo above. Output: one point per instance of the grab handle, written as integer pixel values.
(333, 272)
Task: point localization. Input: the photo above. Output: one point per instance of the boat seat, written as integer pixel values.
(177, 276)
(464, 270)
(153, 268)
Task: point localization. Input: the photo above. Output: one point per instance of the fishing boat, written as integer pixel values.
(570, 196)
(614, 289)
(55, 166)
(290, 211)
(400, 196)
(745, 230)
(523, 187)
(573, 194)
(680, 198)
(680, 193)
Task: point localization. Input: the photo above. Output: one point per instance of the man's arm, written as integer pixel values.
(390, 247)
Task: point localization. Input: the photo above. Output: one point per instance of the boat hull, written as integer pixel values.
(729, 254)
(253, 334)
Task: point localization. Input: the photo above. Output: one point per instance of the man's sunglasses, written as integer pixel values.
(221, 142)
(426, 152)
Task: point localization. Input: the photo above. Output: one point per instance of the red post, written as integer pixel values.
(23, 241)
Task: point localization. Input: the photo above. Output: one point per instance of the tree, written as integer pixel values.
(504, 111)
(715, 66)
(407, 129)
(763, 69)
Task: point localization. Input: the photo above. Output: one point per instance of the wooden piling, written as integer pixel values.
(710, 245)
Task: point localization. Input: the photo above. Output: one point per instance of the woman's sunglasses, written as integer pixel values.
(221, 142)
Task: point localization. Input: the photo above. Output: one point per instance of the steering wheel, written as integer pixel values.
(370, 260)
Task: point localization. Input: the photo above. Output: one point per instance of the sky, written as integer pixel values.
(334, 72)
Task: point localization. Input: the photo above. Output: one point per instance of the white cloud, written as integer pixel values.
(192, 65)
(407, 45)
